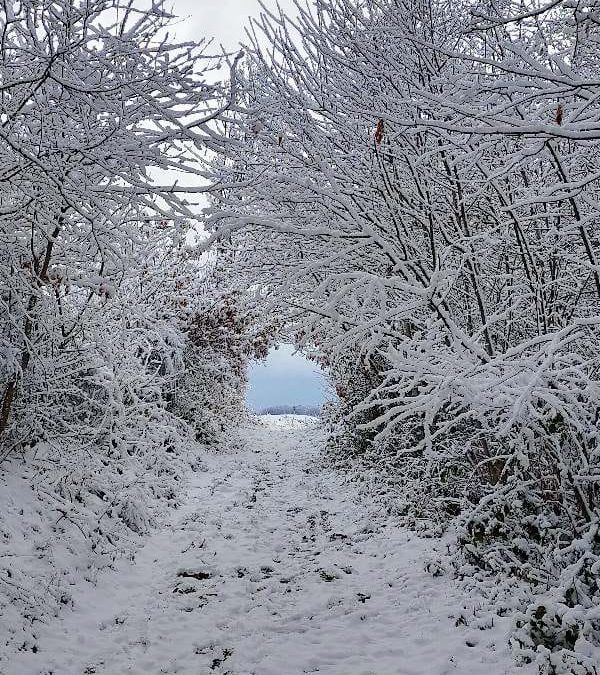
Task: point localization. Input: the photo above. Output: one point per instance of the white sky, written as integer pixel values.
(222, 19)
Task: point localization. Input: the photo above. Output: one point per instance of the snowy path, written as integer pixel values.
(271, 568)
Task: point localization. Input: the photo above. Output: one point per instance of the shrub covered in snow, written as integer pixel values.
(222, 335)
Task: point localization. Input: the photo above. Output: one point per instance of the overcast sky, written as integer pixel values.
(223, 20)
(285, 379)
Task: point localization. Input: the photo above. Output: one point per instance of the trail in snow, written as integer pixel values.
(273, 567)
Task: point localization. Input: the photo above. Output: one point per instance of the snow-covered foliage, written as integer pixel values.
(417, 188)
(222, 336)
(97, 289)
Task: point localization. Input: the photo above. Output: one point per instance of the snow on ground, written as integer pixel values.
(289, 421)
(273, 567)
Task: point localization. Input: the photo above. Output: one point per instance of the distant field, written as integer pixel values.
(311, 411)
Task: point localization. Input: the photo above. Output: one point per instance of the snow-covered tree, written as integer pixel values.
(418, 188)
(96, 100)
(102, 114)
(221, 337)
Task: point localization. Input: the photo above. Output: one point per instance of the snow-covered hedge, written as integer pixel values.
(222, 335)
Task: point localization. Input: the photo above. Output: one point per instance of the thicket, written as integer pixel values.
(417, 196)
(109, 321)
(222, 337)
